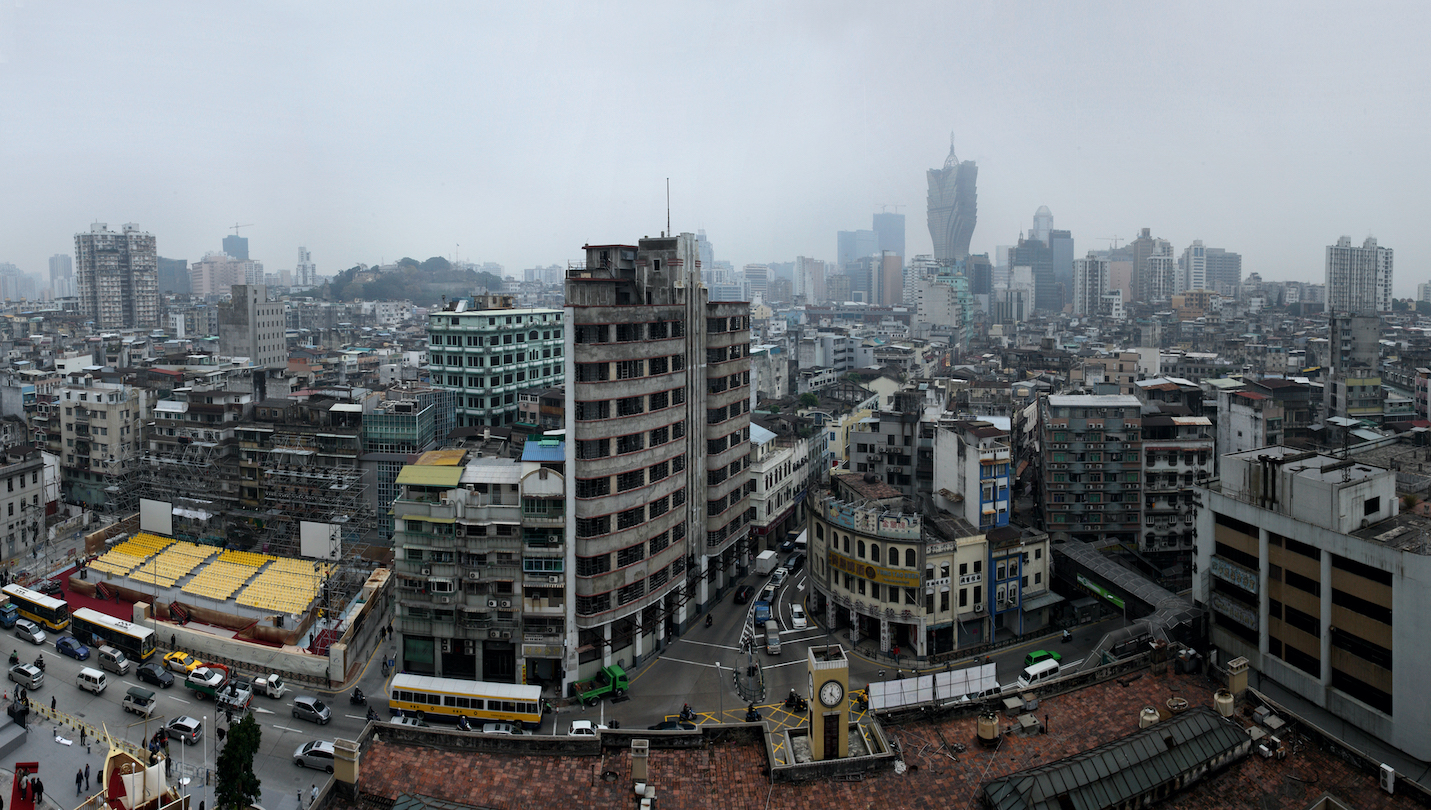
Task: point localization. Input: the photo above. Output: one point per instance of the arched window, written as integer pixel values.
(819, 532)
(893, 556)
(847, 544)
(861, 549)
(875, 554)
(909, 558)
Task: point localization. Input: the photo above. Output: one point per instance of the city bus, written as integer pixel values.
(45, 611)
(97, 629)
(451, 698)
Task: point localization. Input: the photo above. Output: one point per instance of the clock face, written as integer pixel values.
(832, 693)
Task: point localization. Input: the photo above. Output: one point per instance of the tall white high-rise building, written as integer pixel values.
(1193, 267)
(1042, 224)
(1159, 279)
(1358, 278)
(62, 276)
(1090, 282)
(117, 276)
(306, 273)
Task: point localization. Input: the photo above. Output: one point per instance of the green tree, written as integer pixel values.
(809, 400)
(236, 786)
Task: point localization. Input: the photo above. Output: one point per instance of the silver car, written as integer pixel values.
(186, 728)
(317, 755)
(312, 709)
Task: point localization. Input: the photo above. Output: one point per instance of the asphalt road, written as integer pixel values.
(282, 733)
(696, 669)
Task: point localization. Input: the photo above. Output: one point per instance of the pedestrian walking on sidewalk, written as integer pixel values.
(86, 779)
(52, 703)
(79, 782)
(300, 799)
(82, 736)
(313, 795)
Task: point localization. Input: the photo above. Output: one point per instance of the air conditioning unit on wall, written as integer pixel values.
(979, 608)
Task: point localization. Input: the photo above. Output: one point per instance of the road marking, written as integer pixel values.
(708, 644)
(1076, 663)
(181, 700)
(259, 710)
(698, 663)
(286, 728)
(786, 664)
(357, 716)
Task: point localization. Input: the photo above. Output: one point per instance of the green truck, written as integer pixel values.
(609, 681)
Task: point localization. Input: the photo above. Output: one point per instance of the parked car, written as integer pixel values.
(317, 754)
(584, 728)
(673, 725)
(155, 674)
(48, 587)
(743, 594)
(1041, 655)
(71, 646)
(502, 728)
(311, 709)
(797, 617)
(186, 728)
(182, 662)
(29, 631)
(405, 720)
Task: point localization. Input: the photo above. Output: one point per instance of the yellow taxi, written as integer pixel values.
(182, 662)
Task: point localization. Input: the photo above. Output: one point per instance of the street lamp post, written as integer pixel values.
(720, 692)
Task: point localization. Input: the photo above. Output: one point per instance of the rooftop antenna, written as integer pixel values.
(668, 205)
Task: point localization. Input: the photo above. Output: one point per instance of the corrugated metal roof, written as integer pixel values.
(544, 450)
(422, 476)
(441, 458)
(1122, 770)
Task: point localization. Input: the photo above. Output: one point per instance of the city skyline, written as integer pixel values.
(465, 150)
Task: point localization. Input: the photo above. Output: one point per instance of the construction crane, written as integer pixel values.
(236, 226)
(1114, 239)
(884, 209)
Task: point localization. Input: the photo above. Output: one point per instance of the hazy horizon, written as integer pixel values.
(522, 132)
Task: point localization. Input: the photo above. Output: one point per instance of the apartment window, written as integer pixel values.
(630, 517)
(593, 487)
(593, 527)
(630, 406)
(629, 369)
(592, 566)
(593, 448)
(630, 480)
(630, 443)
(630, 555)
(587, 372)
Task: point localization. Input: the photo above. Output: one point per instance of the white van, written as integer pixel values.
(1044, 670)
(772, 638)
(113, 660)
(91, 679)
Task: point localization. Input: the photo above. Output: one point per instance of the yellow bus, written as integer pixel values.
(45, 611)
(453, 698)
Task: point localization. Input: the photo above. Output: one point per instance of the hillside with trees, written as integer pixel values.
(423, 283)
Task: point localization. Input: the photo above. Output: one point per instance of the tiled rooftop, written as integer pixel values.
(729, 776)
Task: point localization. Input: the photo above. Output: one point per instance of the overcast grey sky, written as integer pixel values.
(523, 130)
